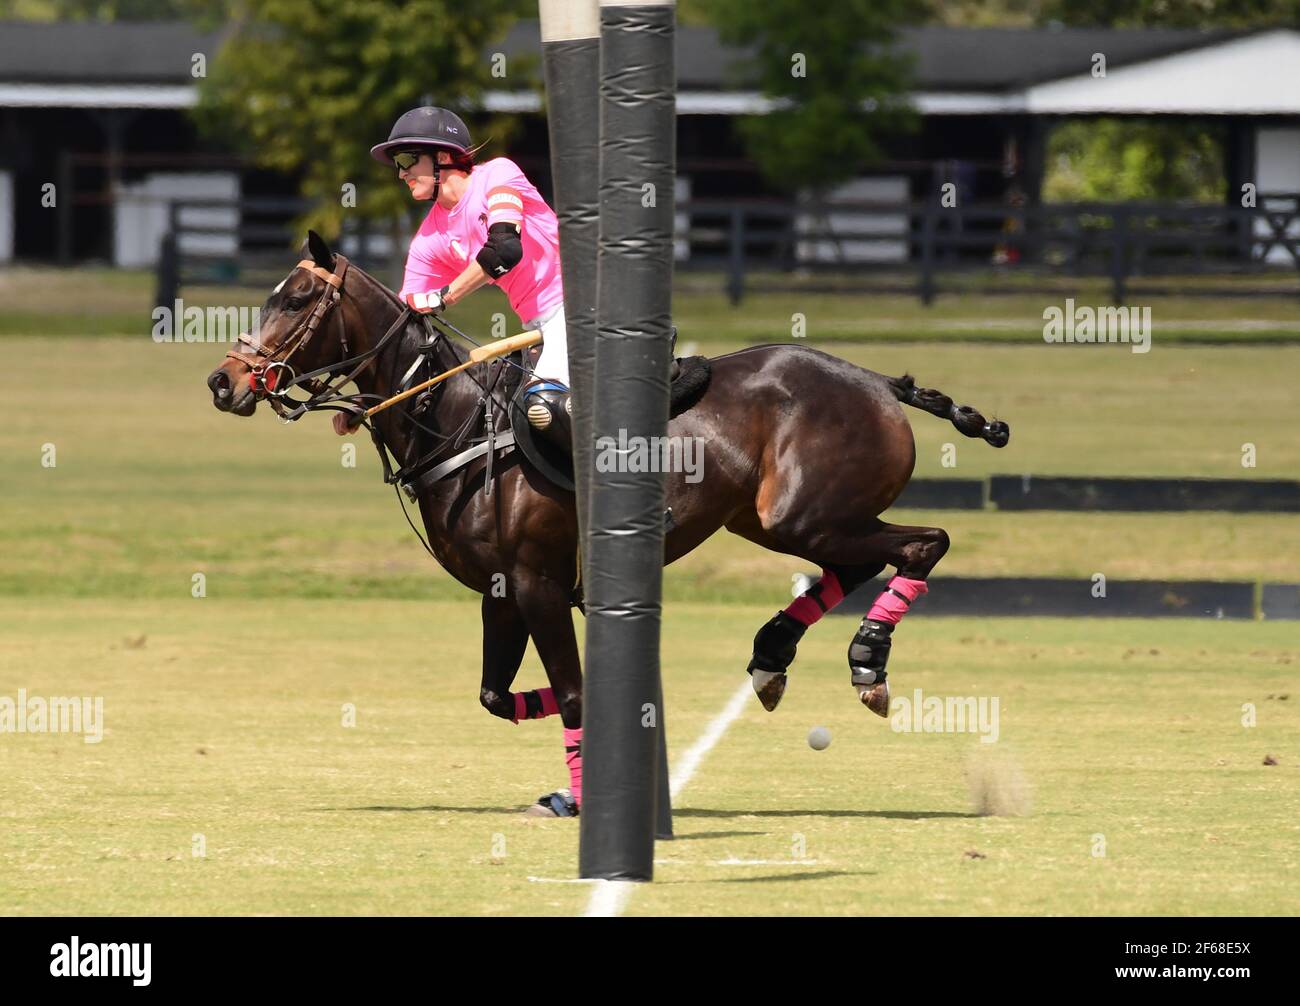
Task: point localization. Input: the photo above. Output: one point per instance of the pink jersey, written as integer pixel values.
(449, 240)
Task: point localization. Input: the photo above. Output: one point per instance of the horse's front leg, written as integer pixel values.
(544, 604)
(505, 637)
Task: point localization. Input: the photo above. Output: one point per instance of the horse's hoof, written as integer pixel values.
(875, 697)
(557, 804)
(769, 686)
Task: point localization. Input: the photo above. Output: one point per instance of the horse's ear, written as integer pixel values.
(320, 251)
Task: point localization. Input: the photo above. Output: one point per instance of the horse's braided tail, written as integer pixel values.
(969, 422)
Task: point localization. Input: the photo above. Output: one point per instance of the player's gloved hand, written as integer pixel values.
(427, 303)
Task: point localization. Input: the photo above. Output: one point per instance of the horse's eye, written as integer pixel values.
(294, 303)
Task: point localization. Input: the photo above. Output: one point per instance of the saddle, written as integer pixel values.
(690, 378)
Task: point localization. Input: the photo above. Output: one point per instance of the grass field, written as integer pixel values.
(223, 720)
(86, 301)
(223, 714)
(152, 484)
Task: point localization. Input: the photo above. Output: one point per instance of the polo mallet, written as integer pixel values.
(491, 351)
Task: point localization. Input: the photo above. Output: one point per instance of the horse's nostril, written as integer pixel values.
(219, 384)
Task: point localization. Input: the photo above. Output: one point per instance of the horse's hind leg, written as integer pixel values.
(848, 559)
(777, 641)
(914, 551)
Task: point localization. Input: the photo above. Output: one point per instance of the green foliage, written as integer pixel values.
(985, 13)
(308, 89)
(1134, 159)
(1172, 13)
(207, 11)
(838, 87)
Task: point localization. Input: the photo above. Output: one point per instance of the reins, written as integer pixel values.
(272, 376)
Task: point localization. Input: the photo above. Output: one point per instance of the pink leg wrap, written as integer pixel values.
(889, 606)
(573, 758)
(818, 599)
(546, 696)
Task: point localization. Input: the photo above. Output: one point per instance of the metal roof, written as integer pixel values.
(945, 59)
(84, 52)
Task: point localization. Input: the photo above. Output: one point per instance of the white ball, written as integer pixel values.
(819, 738)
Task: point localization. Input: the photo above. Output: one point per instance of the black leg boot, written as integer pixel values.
(868, 655)
(774, 651)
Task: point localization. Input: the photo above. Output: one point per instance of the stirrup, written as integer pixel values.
(557, 804)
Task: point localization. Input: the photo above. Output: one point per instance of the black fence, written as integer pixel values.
(918, 245)
(1090, 493)
(251, 241)
(883, 246)
(1082, 598)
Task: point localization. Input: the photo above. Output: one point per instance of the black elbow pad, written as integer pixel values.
(503, 250)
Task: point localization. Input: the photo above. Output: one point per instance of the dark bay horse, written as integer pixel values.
(802, 452)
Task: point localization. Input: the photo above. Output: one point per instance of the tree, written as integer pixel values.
(837, 83)
(308, 89)
(1172, 13)
(1119, 160)
(207, 11)
(1135, 159)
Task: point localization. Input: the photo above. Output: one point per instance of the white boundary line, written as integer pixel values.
(610, 896)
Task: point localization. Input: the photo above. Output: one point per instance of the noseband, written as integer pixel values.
(265, 375)
(271, 376)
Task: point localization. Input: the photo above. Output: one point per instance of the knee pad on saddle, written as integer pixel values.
(776, 643)
(869, 652)
(548, 404)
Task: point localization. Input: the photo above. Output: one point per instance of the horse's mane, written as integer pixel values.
(397, 302)
(383, 287)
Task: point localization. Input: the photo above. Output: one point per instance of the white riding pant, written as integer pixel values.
(553, 364)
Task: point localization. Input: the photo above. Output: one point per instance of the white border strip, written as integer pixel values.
(610, 896)
(98, 96)
(687, 764)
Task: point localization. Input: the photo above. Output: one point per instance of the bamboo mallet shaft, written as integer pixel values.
(477, 355)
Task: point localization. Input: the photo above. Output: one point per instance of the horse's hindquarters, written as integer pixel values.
(789, 444)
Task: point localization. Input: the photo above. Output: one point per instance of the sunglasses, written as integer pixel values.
(406, 160)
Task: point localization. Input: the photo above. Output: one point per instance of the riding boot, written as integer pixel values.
(550, 414)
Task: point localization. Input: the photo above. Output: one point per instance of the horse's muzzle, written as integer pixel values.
(229, 396)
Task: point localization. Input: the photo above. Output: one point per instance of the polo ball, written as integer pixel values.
(819, 738)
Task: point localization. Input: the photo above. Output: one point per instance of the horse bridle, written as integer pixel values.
(269, 368)
(267, 365)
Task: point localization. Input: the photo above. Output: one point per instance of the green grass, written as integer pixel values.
(223, 719)
(152, 484)
(223, 713)
(98, 301)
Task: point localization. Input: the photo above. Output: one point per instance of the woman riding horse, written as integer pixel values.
(488, 224)
(804, 450)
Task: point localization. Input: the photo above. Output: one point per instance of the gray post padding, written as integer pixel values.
(622, 698)
(571, 66)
